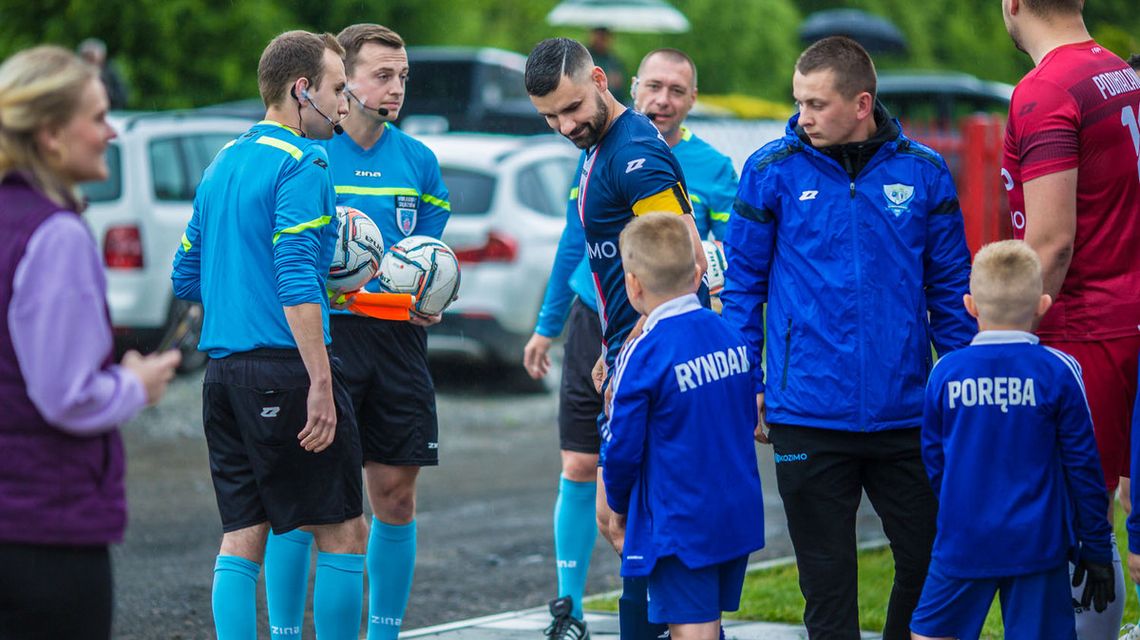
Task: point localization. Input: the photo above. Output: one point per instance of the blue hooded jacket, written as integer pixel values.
(862, 265)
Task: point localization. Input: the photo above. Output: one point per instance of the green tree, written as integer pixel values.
(182, 53)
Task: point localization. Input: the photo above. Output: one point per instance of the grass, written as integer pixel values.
(773, 594)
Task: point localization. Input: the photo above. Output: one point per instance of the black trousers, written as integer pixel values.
(821, 474)
(48, 593)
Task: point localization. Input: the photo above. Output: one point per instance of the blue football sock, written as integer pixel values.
(337, 595)
(235, 598)
(633, 612)
(287, 582)
(575, 528)
(391, 564)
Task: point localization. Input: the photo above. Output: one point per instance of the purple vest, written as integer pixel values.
(55, 489)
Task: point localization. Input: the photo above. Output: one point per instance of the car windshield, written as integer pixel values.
(112, 187)
(470, 191)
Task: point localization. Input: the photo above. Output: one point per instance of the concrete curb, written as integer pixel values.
(876, 543)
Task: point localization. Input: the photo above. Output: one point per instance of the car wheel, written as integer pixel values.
(190, 312)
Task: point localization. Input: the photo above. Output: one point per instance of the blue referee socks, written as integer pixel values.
(337, 595)
(287, 582)
(575, 529)
(633, 612)
(391, 565)
(235, 598)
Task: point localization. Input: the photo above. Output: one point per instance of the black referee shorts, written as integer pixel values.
(253, 406)
(579, 404)
(386, 371)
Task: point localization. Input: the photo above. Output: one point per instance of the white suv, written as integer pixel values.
(139, 213)
(508, 206)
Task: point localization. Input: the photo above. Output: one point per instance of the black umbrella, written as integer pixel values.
(876, 34)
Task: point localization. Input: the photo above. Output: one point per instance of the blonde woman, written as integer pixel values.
(62, 398)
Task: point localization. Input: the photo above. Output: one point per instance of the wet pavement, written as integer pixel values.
(484, 515)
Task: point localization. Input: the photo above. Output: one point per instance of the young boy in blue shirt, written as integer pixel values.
(1008, 444)
(678, 462)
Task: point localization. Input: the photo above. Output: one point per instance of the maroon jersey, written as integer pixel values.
(1079, 109)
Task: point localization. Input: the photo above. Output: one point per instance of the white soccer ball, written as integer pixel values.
(425, 268)
(359, 249)
(714, 277)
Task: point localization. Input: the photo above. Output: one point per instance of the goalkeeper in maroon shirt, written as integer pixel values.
(1072, 170)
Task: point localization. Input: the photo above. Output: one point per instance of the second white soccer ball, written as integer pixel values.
(425, 268)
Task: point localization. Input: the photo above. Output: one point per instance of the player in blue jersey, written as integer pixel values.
(284, 449)
(395, 180)
(627, 171)
(1008, 444)
(688, 485)
(668, 90)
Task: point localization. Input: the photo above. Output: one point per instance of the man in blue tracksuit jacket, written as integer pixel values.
(852, 236)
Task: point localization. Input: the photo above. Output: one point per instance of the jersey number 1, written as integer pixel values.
(1129, 118)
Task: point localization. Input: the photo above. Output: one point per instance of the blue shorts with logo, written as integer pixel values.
(680, 595)
(1036, 606)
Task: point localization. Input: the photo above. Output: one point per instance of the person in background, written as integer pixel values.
(94, 51)
(62, 495)
(601, 50)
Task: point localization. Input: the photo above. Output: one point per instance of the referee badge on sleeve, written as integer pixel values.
(406, 211)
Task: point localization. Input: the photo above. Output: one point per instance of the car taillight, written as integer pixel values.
(122, 248)
(499, 247)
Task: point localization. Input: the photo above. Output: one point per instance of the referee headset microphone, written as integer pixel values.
(380, 110)
(337, 129)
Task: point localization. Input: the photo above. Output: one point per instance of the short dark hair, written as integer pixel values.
(354, 37)
(853, 67)
(1134, 61)
(674, 55)
(1046, 8)
(550, 60)
(292, 55)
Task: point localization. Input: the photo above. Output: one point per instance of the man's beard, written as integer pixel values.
(593, 128)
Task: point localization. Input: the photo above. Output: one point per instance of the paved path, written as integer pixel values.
(529, 624)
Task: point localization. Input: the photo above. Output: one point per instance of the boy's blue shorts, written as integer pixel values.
(1037, 606)
(680, 595)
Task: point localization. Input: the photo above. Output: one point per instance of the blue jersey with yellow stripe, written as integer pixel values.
(629, 172)
(396, 182)
(712, 183)
(259, 239)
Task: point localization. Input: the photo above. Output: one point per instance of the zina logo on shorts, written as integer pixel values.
(270, 412)
(791, 457)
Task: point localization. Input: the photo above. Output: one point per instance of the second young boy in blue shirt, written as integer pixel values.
(1008, 444)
